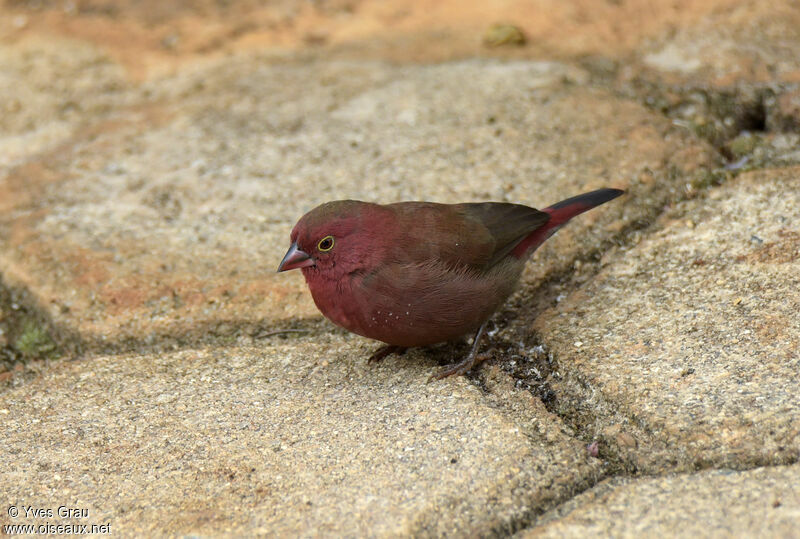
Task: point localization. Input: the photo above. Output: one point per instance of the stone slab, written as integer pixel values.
(294, 438)
(688, 344)
(763, 502)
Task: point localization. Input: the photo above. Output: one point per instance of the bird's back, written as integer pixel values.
(471, 235)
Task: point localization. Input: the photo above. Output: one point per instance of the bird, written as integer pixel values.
(417, 273)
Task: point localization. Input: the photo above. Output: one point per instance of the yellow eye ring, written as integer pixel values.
(325, 244)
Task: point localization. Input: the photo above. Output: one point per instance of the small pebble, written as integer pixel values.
(499, 35)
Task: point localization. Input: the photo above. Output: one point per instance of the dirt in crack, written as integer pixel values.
(751, 126)
(530, 366)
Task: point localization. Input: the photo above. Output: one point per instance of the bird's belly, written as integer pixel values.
(413, 325)
(408, 310)
(391, 322)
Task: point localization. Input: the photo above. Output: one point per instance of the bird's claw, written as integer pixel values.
(461, 367)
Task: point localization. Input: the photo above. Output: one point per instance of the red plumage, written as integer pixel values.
(418, 273)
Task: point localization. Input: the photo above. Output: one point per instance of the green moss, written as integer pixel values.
(34, 342)
(709, 129)
(743, 145)
(706, 178)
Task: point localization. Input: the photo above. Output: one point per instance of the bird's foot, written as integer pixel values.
(461, 367)
(384, 351)
(472, 359)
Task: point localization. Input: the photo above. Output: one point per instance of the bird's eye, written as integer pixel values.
(325, 244)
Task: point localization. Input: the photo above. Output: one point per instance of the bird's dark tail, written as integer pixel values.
(562, 212)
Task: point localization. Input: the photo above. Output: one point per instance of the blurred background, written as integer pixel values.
(150, 36)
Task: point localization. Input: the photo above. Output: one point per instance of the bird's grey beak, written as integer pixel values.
(295, 258)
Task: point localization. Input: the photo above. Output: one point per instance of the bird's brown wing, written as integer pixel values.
(507, 223)
(471, 235)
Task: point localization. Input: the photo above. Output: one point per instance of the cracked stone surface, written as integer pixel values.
(298, 437)
(691, 339)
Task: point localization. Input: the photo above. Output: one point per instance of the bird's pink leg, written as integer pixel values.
(467, 363)
(384, 351)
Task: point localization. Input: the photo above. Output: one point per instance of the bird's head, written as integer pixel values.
(337, 238)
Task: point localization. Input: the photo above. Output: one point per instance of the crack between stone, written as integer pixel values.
(544, 294)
